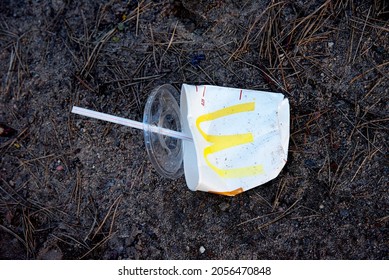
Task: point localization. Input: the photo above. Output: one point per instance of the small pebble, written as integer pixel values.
(344, 213)
(202, 250)
(321, 206)
(224, 206)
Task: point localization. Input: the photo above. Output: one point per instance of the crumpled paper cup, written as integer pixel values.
(240, 137)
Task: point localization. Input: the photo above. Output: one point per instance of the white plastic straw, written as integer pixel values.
(130, 123)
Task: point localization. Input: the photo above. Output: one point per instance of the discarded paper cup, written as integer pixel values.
(240, 137)
(232, 140)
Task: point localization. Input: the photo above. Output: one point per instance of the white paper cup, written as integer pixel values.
(240, 137)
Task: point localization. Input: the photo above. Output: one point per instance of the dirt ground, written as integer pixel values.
(77, 188)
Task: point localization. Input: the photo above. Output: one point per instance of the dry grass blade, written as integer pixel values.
(310, 34)
(16, 63)
(78, 243)
(153, 44)
(257, 218)
(137, 17)
(77, 191)
(367, 158)
(14, 234)
(102, 242)
(210, 80)
(243, 45)
(85, 84)
(38, 158)
(375, 121)
(117, 200)
(11, 142)
(168, 46)
(377, 67)
(384, 27)
(319, 66)
(114, 215)
(110, 234)
(380, 80)
(20, 200)
(383, 219)
(315, 215)
(92, 57)
(8, 77)
(280, 190)
(268, 76)
(94, 218)
(385, 74)
(333, 179)
(28, 232)
(363, 31)
(283, 215)
(360, 133)
(309, 18)
(263, 201)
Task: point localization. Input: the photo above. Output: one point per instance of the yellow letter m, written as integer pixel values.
(222, 142)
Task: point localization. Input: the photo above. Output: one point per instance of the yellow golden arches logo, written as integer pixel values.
(222, 142)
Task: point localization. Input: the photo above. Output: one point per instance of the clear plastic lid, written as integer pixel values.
(165, 152)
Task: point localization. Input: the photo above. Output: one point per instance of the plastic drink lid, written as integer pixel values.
(165, 152)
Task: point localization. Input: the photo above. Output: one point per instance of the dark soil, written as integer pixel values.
(73, 187)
